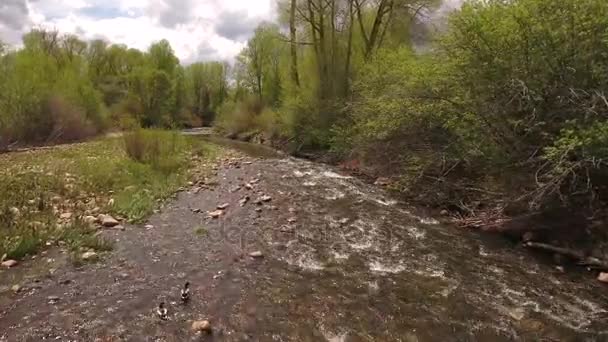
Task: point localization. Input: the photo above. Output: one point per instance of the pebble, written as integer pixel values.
(119, 227)
(603, 277)
(108, 221)
(149, 226)
(90, 255)
(16, 288)
(517, 313)
(223, 206)
(90, 219)
(53, 299)
(256, 254)
(216, 214)
(66, 216)
(201, 326)
(9, 263)
(382, 181)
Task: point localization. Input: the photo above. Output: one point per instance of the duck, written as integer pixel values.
(161, 311)
(185, 293)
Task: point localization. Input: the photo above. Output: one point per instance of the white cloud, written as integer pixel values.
(197, 29)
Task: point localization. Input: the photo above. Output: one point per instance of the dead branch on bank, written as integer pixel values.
(578, 256)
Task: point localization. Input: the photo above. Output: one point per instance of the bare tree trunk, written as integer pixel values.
(371, 42)
(349, 48)
(294, 49)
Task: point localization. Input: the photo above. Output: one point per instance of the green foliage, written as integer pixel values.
(206, 89)
(61, 88)
(241, 117)
(510, 88)
(36, 187)
(159, 149)
(45, 97)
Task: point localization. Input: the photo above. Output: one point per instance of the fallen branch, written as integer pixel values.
(573, 254)
(590, 262)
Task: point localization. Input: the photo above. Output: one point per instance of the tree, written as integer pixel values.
(293, 43)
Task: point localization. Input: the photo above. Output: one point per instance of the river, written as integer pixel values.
(342, 261)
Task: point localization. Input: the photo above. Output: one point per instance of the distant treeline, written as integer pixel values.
(60, 88)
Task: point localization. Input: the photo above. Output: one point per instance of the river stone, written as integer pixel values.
(382, 181)
(201, 326)
(90, 255)
(216, 214)
(244, 201)
(256, 254)
(517, 313)
(66, 216)
(15, 211)
(108, 221)
(90, 220)
(603, 277)
(9, 263)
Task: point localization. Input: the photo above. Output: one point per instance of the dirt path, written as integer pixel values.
(341, 262)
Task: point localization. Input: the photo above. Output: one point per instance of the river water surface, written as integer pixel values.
(342, 262)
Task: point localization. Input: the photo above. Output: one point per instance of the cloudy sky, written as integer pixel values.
(197, 29)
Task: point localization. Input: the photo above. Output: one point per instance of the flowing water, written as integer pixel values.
(372, 267)
(343, 261)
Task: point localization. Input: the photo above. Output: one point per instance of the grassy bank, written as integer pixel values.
(46, 194)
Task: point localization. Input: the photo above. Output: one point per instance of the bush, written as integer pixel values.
(157, 148)
(509, 93)
(240, 117)
(43, 99)
(535, 73)
(69, 123)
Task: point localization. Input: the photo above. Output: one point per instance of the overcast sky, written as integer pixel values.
(197, 29)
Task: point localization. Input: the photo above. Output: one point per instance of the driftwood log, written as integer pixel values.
(578, 256)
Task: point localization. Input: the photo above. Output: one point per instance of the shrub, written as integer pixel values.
(43, 98)
(69, 123)
(536, 73)
(240, 117)
(160, 149)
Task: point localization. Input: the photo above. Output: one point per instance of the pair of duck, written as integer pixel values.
(162, 312)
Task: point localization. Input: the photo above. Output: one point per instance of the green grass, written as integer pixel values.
(202, 231)
(83, 179)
